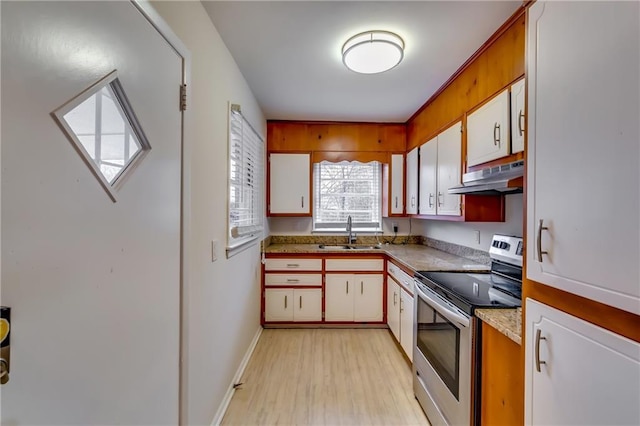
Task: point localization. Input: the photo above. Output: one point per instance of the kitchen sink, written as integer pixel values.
(347, 247)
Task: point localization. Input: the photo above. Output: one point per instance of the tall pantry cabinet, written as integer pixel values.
(583, 206)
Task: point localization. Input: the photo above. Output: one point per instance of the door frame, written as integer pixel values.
(154, 18)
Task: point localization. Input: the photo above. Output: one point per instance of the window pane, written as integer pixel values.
(347, 189)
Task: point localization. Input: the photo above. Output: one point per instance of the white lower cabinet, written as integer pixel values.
(353, 297)
(406, 323)
(578, 373)
(400, 315)
(297, 305)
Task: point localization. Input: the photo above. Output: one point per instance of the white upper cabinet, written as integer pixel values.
(583, 153)
(440, 169)
(289, 184)
(517, 116)
(397, 184)
(577, 373)
(428, 176)
(412, 181)
(488, 131)
(449, 173)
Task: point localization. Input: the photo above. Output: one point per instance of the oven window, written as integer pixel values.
(439, 342)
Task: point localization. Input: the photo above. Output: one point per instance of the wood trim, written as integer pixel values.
(362, 156)
(495, 36)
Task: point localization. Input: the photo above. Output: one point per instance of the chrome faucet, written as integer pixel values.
(352, 236)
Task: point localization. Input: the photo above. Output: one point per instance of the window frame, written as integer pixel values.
(249, 181)
(360, 227)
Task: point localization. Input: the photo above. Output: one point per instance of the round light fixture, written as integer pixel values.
(373, 52)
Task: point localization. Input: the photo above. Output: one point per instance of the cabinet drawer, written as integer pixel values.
(400, 276)
(293, 279)
(293, 264)
(354, 264)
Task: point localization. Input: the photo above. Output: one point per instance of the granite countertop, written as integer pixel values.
(414, 256)
(506, 321)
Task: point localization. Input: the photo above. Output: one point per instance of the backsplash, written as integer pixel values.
(477, 256)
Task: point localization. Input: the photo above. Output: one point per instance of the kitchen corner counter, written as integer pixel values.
(506, 321)
(414, 256)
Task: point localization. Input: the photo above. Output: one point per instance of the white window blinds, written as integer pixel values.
(246, 165)
(347, 189)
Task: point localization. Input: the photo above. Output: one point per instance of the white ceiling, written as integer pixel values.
(289, 52)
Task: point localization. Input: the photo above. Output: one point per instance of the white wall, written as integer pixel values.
(463, 233)
(222, 297)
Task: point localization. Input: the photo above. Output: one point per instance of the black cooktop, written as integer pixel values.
(469, 291)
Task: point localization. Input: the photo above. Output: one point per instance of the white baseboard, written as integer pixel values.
(217, 419)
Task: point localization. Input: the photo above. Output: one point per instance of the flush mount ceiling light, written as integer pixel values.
(373, 52)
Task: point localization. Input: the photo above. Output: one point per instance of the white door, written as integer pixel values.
(368, 298)
(307, 304)
(449, 170)
(412, 181)
(338, 297)
(94, 285)
(393, 307)
(278, 305)
(587, 375)
(517, 116)
(428, 176)
(583, 157)
(289, 183)
(397, 184)
(488, 131)
(406, 323)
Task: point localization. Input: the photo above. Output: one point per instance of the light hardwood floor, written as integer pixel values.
(326, 377)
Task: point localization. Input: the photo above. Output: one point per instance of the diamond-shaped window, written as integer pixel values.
(105, 131)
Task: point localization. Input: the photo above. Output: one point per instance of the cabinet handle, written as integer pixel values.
(347, 287)
(300, 302)
(539, 240)
(293, 265)
(361, 287)
(285, 302)
(538, 338)
(413, 201)
(302, 201)
(430, 198)
(293, 280)
(496, 134)
(395, 298)
(439, 202)
(401, 306)
(396, 202)
(521, 122)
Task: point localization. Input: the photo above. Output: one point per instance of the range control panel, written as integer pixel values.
(507, 249)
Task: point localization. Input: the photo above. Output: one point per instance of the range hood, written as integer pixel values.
(496, 180)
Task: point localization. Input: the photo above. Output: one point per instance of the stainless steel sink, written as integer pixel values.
(347, 247)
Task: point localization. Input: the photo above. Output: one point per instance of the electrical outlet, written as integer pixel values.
(476, 235)
(394, 226)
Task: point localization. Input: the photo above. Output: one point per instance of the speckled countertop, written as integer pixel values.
(415, 256)
(506, 321)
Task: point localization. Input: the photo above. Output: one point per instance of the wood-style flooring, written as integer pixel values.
(326, 377)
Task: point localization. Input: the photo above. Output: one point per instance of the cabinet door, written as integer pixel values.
(412, 181)
(406, 323)
(488, 131)
(517, 117)
(289, 183)
(428, 177)
(397, 184)
(588, 375)
(393, 307)
(449, 170)
(278, 305)
(307, 304)
(338, 297)
(583, 156)
(368, 297)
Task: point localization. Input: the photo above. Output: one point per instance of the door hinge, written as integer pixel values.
(183, 97)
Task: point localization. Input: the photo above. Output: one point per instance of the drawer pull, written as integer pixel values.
(293, 280)
(293, 265)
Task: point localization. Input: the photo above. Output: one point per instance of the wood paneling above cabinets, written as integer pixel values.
(335, 137)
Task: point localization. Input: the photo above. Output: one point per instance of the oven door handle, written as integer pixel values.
(442, 309)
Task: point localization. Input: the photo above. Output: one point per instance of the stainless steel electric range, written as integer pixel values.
(447, 334)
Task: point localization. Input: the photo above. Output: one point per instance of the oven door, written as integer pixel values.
(442, 358)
